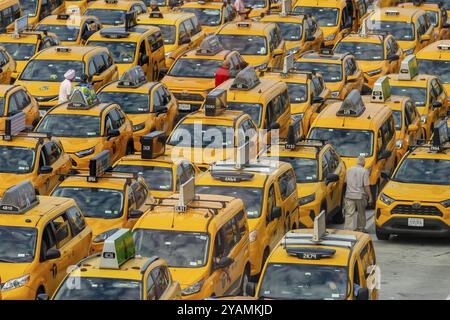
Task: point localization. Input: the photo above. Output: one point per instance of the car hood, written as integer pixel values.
(99, 225)
(72, 145)
(10, 179)
(306, 189)
(416, 192)
(327, 31)
(405, 45)
(188, 276)
(366, 66)
(10, 271)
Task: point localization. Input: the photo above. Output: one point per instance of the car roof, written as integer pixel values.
(255, 28)
(76, 53)
(95, 110)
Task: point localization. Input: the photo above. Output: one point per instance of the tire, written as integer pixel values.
(245, 281)
(39, 291)
(339, 217)
(380, 235)
(255, 278)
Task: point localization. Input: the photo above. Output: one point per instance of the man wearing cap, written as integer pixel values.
(356, 196)
(65, 89)
(223, 73)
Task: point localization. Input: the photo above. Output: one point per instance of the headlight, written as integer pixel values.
(330, 37)
(104, 235)
(335, 94)
(374, 72)
(409, 51)
(423, 119)
(446, 203)
(399, 143)
(297, 116)
(387, 200)
(253, 235)
(167, 54)
(84, 153)
(16, 283)
(293, 50)
(139, 126)
(307, 199)
(196, 287)
(261, 66)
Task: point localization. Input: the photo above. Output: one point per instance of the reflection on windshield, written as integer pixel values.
(130, 102)
(306, 169)
(440, 68)
(426, 171)
(206, 16)
(122, 52)
(180, 249)
(202, 136)
(298, 92)
(16, 159)
(418, 95)
(89, 288)
(94, 202)
(19, 51)
(397, 119)
(348, 143)
(434, 19)
(253, 109)
(400, 30)
(51, 70)
(325, 17)
(302, 281)
(290, 31)
(107, 16)
(195, 68)
(156, 178)
(29, 7)
(168, 32)
(64, 33)
(330, 72)
(244, 44)
(67, 125)
(18, 244)
(252, 197)
(361, 50)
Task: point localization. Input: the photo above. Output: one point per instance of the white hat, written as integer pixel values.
(70, 74)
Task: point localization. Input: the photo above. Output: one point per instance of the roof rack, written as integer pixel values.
(408, 68)
(210, 46)
(215, 102)
(246, 79)
(132, 78)
(19, 199)
(152, 145)
(117, 249)
(352, 106)
(381, 90)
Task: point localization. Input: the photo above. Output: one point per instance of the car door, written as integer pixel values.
(195, 29)
(370, 270)
(330, 187)
(81, 236)
(112, 143)
(149, 291)
(160, 103)
(288, 198)
(275, 226)
(48, 270)
(156, 45)
(137, 193)
(58, 161)
(26, 105)
(440, 96)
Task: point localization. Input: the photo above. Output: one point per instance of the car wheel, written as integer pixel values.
(245, 281)
(39, 291)
(339, 216)
(380, 235)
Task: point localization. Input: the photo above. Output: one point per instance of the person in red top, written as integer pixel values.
(223, 73)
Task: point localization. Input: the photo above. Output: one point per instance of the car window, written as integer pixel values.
(76, 220)
(140, 194)
(52, 152)
(62, 231)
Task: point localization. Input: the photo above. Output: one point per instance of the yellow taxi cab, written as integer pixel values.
(260, 44)
(7, 66)
(44, 72)
(108, 200)
(75, 6)
(336, 18)
(22, 45)
(181, 31)
(300, 32)
(435, 59)
(164, 6)
(40, 238)
(211, 15)
(258, 8)
(425, 90)
(436, 13)
(269, 193)
(150, 106)
(14, 99)
(117, 273)
(445, 4)
(307, 92)
(408, 126)
(70, 29)
(111, 13)
(411, 28)
(192, 75)
(416, 200)
(377, 55)
(327, 264)
(265, 100)
(212, 134)
(86, 129)
(340, 71)
(37, 10)
(319, 173)
(203, 238)
(356, 128)
(29, 156)
(133, 45)
(162, 174)
(10, 10)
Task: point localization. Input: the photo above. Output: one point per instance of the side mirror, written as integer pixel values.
(274, 126)
(184, 39)
(43, 296)
(250, 288)
(113, 133)
(385, 176)
(144, 59)
(413, 128)
(162, 110)
(135, 214)
(318, 99)
(52, 254)
(224, 262)
(363, 294)
(331, 177)
(385, 154)
(276, 213)
(425, 37)
(310, 38)
(437, 105)
(45, 170)
(393, 57)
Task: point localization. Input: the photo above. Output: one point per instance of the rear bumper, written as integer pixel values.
(432, 227)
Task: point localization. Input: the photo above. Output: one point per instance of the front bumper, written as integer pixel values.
(22, 293)
(432, 227)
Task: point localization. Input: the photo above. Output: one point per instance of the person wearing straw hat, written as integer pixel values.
(65, 89)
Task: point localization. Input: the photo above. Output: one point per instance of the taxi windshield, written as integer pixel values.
(51, 70)
(180, 249)
(68, 125)
(347, 142)
(361, 50)
(168, 31)
(202, 136)
(252, 109)
(64, 32)
(397, 119)
(195, 68)
(29, 7)
(156, 178)
(252, 197)
(255, 3)
(290, 31)
(244, 44)
(94, 202)
(440, 68)
(90, 288)
(423, 171)
(418, 95)
(206, 16)
(122, 52)
(19, 51)
(304, 282)
(330, 72)
(107, 16)
(16, 159)
(325, 17)
(306, 169)
(18, 244)
(434, 18)
(402, 31)
(298, 92)
(130, 102)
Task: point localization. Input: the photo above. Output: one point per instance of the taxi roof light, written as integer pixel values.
(215, 102)
(295, 133)
(111, 1)
(117, 249)
(392, 12)
(381, 90)
(246, 79)
(78, 101)
(320, 227)
(19, 198)
(440, 135)
(231, 176)
(98, 165)
(443, 46)
(352, 106)
(152, 145)
(132, 78)
(14, 125)
(63, 16)
(156, 14)
(243, 24)
(63, 49)
(243, 155)
(187, 195)
(326, 51)
(408, 68)
(210, 46)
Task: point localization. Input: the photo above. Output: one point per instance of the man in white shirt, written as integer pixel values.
(65, 89)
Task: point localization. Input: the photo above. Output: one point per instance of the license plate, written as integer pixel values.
(42, 113)
(415, 222)
(184, 106)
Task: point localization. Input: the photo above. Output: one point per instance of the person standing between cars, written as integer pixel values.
(65, 89)
(357, 195)
(240, 9)
(223, 73)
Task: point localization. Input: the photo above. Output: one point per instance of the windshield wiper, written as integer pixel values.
(7, 261)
